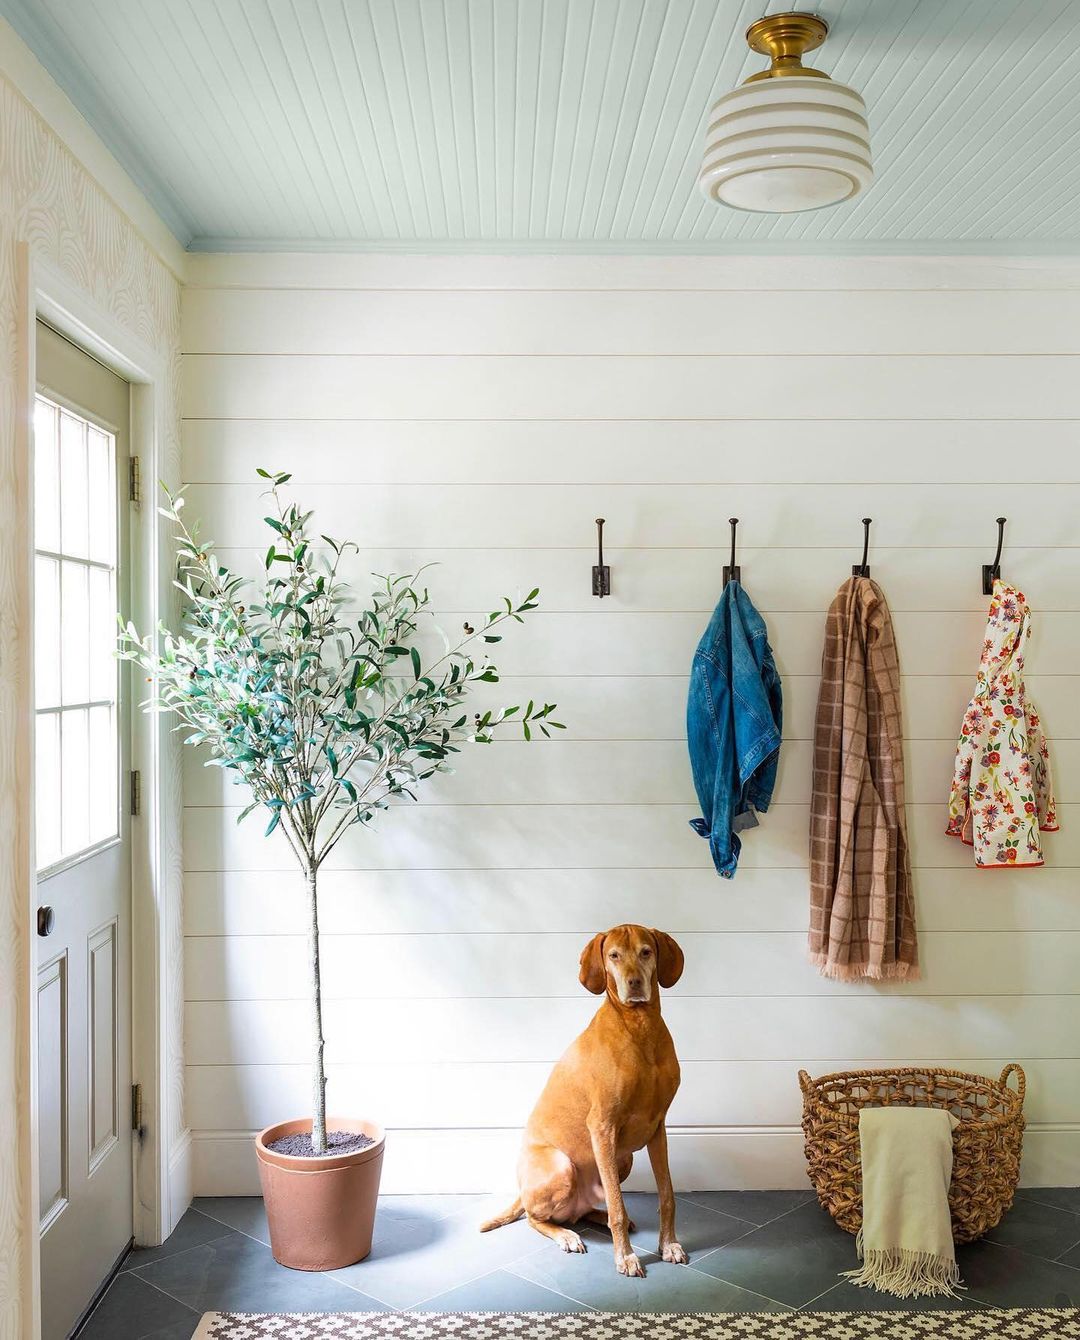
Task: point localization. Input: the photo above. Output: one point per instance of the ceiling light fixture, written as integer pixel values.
(789, 138)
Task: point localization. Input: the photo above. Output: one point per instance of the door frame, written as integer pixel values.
(161, 1174)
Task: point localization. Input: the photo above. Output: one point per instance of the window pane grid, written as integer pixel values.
(76, 673)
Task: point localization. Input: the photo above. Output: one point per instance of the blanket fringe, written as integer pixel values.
(853, 972)
(904, 1273)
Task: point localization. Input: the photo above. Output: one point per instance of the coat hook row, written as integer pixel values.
(601, 573)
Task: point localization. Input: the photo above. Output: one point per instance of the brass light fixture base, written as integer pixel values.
(785, 38)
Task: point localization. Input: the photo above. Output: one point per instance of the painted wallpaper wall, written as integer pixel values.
(479, 413)
(48, 201)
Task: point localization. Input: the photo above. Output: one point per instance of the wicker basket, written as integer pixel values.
(986, 1144)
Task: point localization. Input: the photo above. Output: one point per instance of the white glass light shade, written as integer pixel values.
(789, 144)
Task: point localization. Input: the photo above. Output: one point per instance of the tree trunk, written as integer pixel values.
(318, 1072)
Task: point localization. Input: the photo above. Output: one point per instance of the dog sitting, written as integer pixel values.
(606, 1098)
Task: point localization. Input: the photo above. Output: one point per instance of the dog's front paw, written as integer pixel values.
(570, 1241)
(629, 1265)
(674, 1253)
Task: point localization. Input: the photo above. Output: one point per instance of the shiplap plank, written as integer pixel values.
(536, 965)
(298, 321)
(712, 1093)
(629, 772)
(620, 453)
(674, 515)
(678, 580)
(629, 387)
(255, 1032)
(582, 902)
(372, 270)
(559, 837)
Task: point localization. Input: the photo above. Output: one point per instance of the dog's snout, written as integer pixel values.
(636, 983)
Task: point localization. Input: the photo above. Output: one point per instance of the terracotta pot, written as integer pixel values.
(321, 1210)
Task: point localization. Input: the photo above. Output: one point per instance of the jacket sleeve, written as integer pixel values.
(712, 758)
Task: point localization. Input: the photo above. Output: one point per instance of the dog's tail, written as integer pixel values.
(508, 1216)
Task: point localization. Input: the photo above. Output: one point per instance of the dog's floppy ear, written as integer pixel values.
(669, 959)
(592, 974)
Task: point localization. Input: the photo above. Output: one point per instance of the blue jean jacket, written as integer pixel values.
(733, 724)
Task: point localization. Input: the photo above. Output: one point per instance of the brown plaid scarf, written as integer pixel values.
(862, 912)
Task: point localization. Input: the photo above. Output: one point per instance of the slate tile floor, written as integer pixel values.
(749, 1251)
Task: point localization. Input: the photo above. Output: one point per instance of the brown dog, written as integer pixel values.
(606, 1098)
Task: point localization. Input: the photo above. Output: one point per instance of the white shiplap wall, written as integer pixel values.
(480, 412)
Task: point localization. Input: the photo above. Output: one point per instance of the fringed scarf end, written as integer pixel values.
(904, 1273)
(856, 972)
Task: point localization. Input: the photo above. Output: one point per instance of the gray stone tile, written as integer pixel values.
(416, 1259)
(699, 1230)
(244, 1213)
(592, 1278)
(236, 1274)
(192, 1230)
(134, 1310)
(501, 1291)
(1061, 1197)
(430, 1207)
(848, 1297)
(1042, 1230)
(793, 1259)
(1005, 1277)
(759, 1207)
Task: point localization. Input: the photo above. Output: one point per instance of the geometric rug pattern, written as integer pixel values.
(981, 1324)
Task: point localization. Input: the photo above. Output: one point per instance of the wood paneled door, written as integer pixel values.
(82, 828)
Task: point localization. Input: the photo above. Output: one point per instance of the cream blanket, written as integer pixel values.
(906, 1243)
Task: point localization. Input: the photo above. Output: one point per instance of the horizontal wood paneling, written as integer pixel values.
(628, 321)
(632, 772)
(618, 453)
(728, 964)
(671, 515)
(559, 837)
(581, 902)
(650, 580)
(479, 415)
(628, 387)
(713, 1093)
(713, 1029)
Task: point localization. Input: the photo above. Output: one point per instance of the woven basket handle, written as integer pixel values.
(1021, 1079)
(806, 1083)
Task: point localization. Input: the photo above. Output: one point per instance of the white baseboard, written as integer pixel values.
(181, 1181)
(702, 1158)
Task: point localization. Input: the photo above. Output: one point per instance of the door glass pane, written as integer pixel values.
(76, 678)
(74, 514)
(74, 780)
(47, 631)
(75, 632)
(46, 477)
(47, 785)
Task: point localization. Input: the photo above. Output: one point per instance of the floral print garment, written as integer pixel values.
(1002, 791)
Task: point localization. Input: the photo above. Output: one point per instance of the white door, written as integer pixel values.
(82, 829)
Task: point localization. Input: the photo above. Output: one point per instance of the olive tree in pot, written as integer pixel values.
(326, 707)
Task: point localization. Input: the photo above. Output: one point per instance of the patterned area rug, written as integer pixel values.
(1018, 1324)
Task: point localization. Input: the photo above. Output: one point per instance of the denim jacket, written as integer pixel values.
(733, 724)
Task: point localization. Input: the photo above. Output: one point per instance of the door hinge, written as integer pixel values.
(134, 480)
(135, 797)
(136, 1108)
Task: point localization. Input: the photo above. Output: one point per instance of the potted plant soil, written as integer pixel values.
(325, 706)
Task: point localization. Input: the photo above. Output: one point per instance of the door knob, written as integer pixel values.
(46, 920)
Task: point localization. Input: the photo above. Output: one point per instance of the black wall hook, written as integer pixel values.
(732, 573)
(992, 571)
(863, 569)
(601, 573)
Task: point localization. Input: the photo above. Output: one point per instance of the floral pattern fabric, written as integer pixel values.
(1002, 791)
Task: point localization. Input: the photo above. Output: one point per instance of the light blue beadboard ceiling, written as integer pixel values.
(550, 125)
